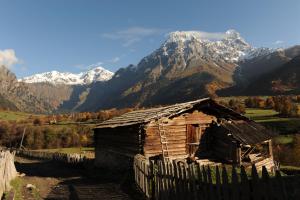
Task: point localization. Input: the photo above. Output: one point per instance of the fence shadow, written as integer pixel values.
(45, 168)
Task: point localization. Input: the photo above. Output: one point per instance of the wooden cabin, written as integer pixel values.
(201, 129)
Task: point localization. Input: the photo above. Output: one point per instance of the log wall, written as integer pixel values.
(116, 147)
(176, 132)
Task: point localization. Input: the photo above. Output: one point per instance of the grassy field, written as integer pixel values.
(270, 118)
(284, 139)
(261, 114)
(13, 116)
(70, 150)
(89, 152)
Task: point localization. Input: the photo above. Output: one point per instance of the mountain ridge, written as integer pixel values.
(184, 67)
(54, 77)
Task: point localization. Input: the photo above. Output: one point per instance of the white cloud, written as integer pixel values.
(132, 35)
(115, 59)
(278, 42)
(88, 67)
(24, 68)
(8, 58)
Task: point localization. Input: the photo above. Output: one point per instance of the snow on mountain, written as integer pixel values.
(228, 46)
(257, 52)
(55, 77)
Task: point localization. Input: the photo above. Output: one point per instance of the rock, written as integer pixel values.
(21, 175)
(30, 186)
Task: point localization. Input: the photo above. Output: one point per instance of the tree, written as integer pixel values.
(270, 104)
(237, 106)
(37, 122)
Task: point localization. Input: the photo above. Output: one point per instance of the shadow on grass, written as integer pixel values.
(47, 169)
(82, 183)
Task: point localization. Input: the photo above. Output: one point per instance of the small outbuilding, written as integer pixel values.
(201, 130)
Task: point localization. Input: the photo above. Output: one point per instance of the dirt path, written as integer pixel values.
(58, 181)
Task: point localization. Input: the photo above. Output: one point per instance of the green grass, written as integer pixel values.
(17, 185)
(70, 150)
(240, 98)
(270, 119)
(13, 116)
(261, 114)
(284, 139)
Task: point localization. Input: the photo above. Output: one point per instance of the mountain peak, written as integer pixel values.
(228, 46)
(183, 36)
(231, 33)
(54, 77)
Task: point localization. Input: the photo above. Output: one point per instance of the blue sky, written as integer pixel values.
(71, 35)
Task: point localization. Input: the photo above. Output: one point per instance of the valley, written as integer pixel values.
(153, 100)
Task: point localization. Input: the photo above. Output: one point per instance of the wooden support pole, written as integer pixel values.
(270, 149)
(239, 155)
(21, 143)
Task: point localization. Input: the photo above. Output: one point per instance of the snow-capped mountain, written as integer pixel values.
(55, 77)
(228, 46)
(188, 65)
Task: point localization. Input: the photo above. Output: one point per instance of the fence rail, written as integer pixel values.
(70, 159)
(7, 171)
(178, 180)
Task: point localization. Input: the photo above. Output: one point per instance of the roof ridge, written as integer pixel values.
(146, 115)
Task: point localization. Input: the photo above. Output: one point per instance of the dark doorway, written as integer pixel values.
(193, 138)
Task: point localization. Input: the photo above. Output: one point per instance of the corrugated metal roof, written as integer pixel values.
(247, 132)
(144, 116)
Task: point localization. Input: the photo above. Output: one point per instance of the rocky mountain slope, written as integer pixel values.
(17, 96)
(285, 79)
(250, 72)
(185, 67)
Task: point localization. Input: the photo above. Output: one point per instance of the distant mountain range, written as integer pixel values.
(185, 67)
(54, 77)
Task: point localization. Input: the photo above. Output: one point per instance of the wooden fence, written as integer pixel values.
(178, 180)
(7, 171)
(70, 159)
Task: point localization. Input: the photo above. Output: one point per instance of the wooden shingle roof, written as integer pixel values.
(144, 116)
(247, 132)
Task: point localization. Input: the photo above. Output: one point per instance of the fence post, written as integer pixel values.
(281, 186)
(234, 184)
(200, 192)
(205, 188)
(266, 183)
(218, 184)
(191, 174)
(152, 180)
(245, 185)
(256, 186)
(210, 184)
(225, 186)
(176, 179)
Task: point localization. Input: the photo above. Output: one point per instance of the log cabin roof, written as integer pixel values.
(146, 115)
(247, 132)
